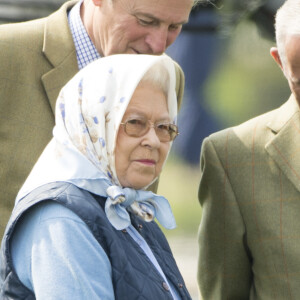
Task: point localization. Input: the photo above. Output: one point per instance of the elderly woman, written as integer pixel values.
(83, 227)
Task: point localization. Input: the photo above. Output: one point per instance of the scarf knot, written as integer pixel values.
(144, 204)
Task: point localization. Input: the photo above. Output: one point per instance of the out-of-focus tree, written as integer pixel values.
(262, 12)
(23, 10)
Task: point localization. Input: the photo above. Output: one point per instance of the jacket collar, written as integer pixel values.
(284, 147)
(284, 114)
(59, 49)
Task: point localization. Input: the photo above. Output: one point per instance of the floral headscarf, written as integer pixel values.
(89, 111)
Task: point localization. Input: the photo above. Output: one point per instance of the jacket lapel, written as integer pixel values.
(284, 148)
(60, 51)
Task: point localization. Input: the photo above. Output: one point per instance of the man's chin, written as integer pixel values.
(132, 51)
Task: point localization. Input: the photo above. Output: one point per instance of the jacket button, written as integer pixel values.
(124, 230)
(165, 286)
(140, 226)
(180, 285)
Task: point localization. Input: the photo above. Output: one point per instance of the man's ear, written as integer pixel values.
(274, 53)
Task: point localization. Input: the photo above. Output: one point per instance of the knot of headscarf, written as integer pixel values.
(144, 204)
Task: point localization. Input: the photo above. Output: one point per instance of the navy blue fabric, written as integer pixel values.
(134, 276)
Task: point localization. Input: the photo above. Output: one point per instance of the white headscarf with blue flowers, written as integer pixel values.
(89, 111)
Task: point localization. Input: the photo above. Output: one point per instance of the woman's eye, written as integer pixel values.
(163, 127)
(136, 122)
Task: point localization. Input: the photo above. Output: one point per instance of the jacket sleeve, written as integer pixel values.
(224, 268)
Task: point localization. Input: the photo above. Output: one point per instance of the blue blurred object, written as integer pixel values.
(196, 50)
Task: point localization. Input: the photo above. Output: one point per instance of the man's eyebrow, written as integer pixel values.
(154, 18)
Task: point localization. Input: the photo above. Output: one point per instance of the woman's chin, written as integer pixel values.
(141, 186)
(141, 183)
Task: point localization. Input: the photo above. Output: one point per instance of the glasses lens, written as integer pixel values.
(173, 130)
(166, 132)
(136, 127)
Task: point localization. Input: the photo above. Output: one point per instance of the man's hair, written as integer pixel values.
(287, 23)
(158, 76)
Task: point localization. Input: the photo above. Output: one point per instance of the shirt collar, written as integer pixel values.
(86, 51)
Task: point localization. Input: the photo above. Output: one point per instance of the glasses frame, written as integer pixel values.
(155, 126)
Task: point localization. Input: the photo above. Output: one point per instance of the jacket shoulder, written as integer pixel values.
(16, 32)
(243, 132)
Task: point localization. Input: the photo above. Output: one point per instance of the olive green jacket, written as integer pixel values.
(249, 237)
(37, 58)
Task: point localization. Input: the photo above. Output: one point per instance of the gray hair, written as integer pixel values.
(287, 23)
(158, 76)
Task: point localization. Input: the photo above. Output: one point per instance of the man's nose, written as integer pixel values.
(157, 40)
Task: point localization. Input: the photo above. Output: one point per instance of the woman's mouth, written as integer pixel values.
(148, 162)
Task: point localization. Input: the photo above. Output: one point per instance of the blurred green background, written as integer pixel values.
(246, 82)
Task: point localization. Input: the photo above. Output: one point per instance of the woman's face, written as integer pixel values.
(139, 160)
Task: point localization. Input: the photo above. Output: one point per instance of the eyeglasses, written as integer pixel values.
(166, 132)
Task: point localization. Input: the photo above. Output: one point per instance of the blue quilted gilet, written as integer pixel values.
(133, 274)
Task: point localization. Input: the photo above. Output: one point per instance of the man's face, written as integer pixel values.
(136, 26)
(292, 66)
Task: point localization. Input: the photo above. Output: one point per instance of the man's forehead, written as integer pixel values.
(292, 47)
(171, 10)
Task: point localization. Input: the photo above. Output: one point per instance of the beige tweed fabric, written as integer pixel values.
(249, 237)
(37, 59)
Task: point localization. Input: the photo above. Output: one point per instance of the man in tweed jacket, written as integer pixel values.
(37, 58)
(249, 236)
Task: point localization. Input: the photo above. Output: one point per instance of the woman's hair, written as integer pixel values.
(158, 76)
(286, 24)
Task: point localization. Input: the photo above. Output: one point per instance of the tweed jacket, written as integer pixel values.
(249, 236)
(37, 59)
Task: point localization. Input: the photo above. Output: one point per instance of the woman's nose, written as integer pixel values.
(151, 139)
